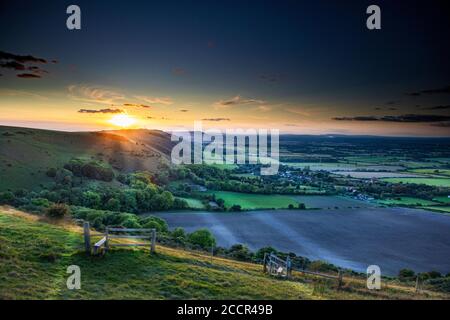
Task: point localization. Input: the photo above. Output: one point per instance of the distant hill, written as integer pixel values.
(26, 154)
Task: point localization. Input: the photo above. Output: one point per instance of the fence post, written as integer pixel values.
(265, 263)
(107, 240)
(288, 267)
(152, 248)
(417, 284)
(339, 279)
(87, 237)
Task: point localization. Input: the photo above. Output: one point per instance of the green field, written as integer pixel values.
(442, 199)
(438, 172)
(249, 201)
(407, 201)
(193, 203)
(438, 182)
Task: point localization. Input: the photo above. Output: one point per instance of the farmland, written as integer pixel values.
(438, 182)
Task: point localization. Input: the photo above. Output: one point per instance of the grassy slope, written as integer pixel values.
(26, 154)
(34, 256)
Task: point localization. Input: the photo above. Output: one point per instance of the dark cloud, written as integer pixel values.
(184, 110)
(441, 124)
(271, 77)
(100, 111)
(20, 58)
(443, 90)
(359, 118)
(438, 107)
(12, 65)
(28, 75)
(18, 63)
(216, 119)
(401, 118)
(387, 109)
(238, 100)
(390, 103)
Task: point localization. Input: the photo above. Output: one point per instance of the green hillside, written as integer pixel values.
(34, 255)
(26, 154)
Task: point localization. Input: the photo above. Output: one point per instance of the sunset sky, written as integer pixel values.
(309, 68)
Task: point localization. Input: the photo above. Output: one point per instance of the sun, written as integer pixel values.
(122, 120)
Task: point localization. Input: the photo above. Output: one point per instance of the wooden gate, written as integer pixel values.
(106, 242)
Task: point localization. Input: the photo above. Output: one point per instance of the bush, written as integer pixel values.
(235, 207)
(202, 238)
(57, 211)
(240, 252)
(406, 274)
(155, 223)
(7, 197)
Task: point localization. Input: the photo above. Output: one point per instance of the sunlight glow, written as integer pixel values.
(122, 120)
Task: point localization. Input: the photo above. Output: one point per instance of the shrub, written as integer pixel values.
(235, 207)
(7, 197)
(155, 223)
(406, 274)
(57, 211)
(51, 172)
(202, 238)
(240, 252)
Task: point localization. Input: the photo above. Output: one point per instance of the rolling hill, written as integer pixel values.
(26, 154)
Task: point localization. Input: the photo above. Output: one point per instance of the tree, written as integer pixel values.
(57, 211)
(113, 204)
(202, 238)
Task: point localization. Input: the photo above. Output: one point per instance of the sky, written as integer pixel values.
(297, 66)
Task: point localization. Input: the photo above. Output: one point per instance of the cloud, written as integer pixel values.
(388, 109)
(100, 111)
(401, 118)
(264, 108)
(94, 94)
(297, 112)
(28, 75)
(136, 105)
(237, 100)
(291, 125)
(443, 90)
(20, 58)
(441, 124)
(184, 110)
(18, 63)
(13, 65)
(390, 103)
(216, 119)
(271, 77)
(179, 71)
(155, 100)
(438, 107)
(21, 93)
(358, 118)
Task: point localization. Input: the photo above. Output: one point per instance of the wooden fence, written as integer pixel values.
(105, 242)
(276, 266)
